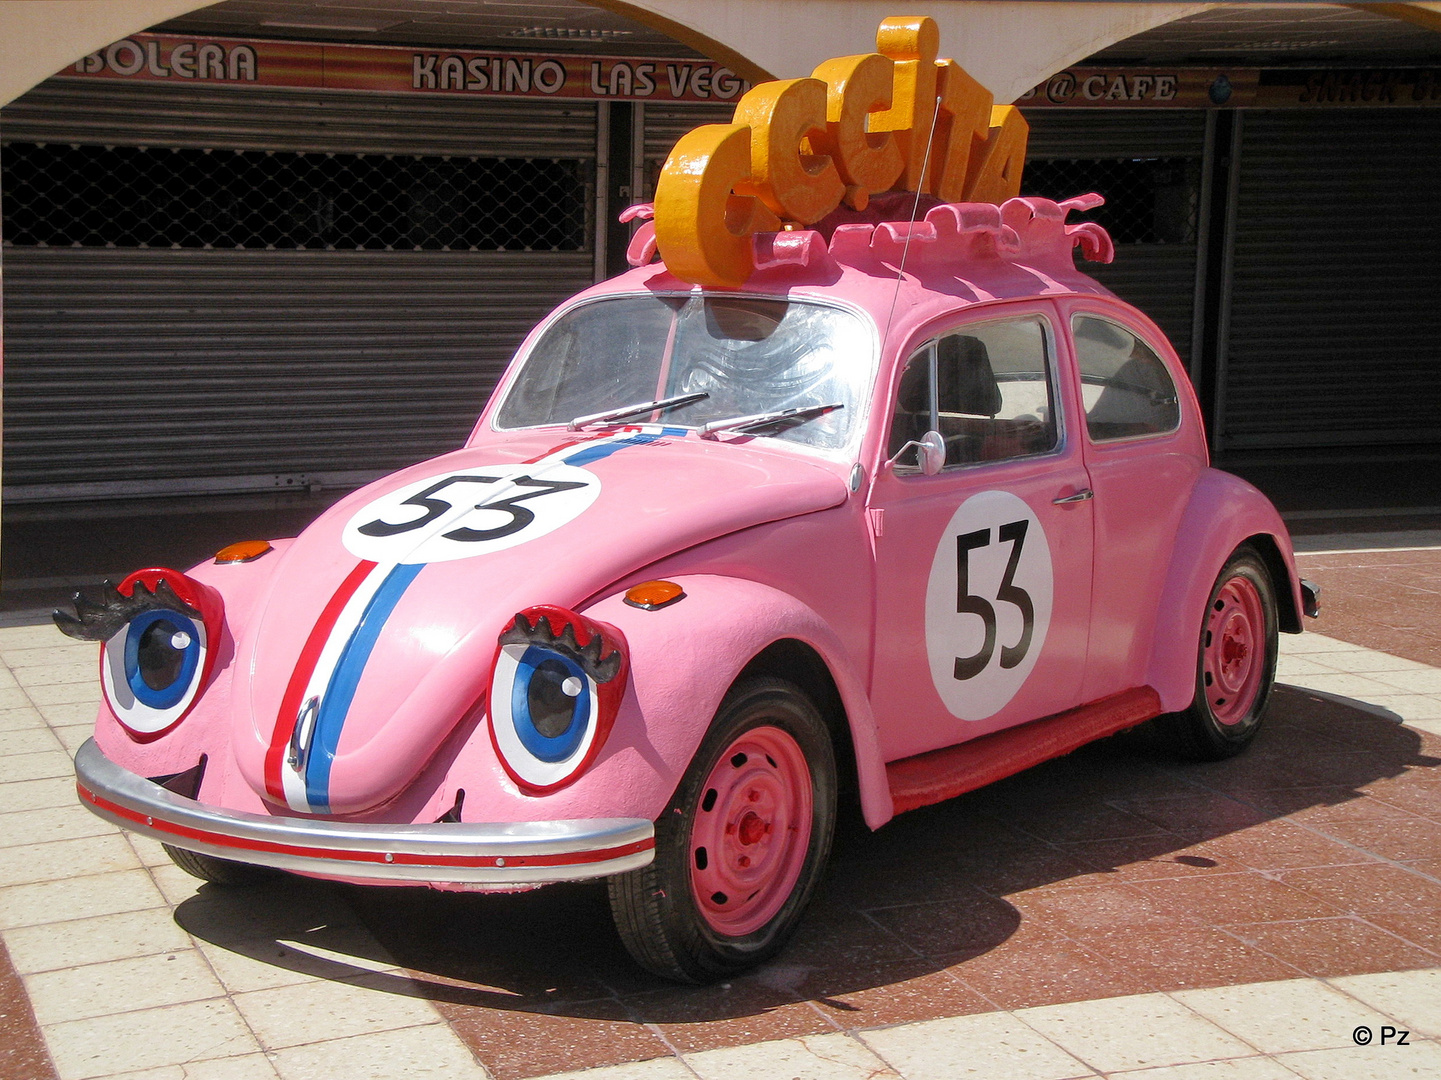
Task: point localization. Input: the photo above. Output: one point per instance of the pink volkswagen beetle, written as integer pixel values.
(918, 507)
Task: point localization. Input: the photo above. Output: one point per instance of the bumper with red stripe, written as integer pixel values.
(520, 853)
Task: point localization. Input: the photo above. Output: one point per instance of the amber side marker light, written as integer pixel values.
(654, 595)
(245, 551)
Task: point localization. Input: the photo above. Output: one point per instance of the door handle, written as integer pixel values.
(1080, 496)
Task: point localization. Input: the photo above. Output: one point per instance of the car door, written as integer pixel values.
(1143, 450)
(983, 571)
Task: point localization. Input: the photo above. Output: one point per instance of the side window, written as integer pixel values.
(986, 388)
(1125, 387)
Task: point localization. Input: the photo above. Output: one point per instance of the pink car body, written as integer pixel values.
(353, 713)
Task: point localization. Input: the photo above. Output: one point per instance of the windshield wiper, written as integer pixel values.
(633, 410)
(788, 417)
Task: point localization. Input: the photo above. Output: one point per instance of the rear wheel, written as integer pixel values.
(1236, 665)
(741, 845)
(218, 871)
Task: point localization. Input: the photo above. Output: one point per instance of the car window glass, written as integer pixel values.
(1125, 387)
(986, 388)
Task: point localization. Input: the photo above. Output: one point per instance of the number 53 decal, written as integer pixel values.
(988, 603)
(469, 512)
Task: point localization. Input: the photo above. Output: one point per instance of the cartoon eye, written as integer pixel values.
(554, 695)
(157, 626)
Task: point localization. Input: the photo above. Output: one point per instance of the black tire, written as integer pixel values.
(662, 923)
(1216, 726)
(218, 871)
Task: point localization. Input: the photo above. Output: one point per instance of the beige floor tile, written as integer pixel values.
(987, 1046)
(78, 898)
(37, 794)
(66, 693)
(1432, 726)
(1421, 681)
(1278, 1017)
(52, 823)
(1410, 707)
(143, 982)
(12, 697)
(165, 1072)
(148, 851)
(249, 1067)
(305, 1012)
(1253, 1068)
(1302, 644)
(1361, 687)
(32, 740)
(1412, 997)
(431, 1052)
(1366, 661)
(1144, 1031)
(150, 1039)
(1289, 667)
(40, 766)
(253, 961)
(20, 719)
(64, 858)
(1368, 1062)
(29, 645)
(70, 669)
(174, 883)
(53, 946)
(73, 736)
(68, 715)
(816, 1057)
(7, 678)
(666, 1068)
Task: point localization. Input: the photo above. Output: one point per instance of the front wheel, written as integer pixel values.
(218, 871)
(1235, 667)
(741, 845)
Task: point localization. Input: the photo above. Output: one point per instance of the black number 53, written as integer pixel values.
(520, 516)
(968, 667)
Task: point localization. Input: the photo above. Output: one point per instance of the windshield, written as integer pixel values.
(747, 354)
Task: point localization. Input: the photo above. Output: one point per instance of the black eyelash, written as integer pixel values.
(602, 670)
(101, 621)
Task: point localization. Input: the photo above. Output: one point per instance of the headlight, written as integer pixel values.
(554, 694)
(158, 627)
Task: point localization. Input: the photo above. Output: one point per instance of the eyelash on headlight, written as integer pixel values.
(588, 656)
(101, 621)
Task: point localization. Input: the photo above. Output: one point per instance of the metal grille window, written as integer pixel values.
(1148, 200)
(66, 195)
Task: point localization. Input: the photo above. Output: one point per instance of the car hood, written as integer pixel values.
(379, 627)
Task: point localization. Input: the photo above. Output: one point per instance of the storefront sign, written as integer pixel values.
(1209, 88)
(306, 66)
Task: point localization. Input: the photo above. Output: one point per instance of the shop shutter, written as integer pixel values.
(1085, 150)
(133, 371)
(1335, 329)
(666, 123)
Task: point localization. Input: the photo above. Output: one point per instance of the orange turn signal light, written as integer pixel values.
(653, 595)
(244, 551)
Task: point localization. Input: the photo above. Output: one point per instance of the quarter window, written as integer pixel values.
(986, 388)
(1125, 387)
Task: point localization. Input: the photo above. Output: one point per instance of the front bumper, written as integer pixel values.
(520, 853)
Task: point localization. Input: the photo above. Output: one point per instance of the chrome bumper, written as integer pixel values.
(523, 853)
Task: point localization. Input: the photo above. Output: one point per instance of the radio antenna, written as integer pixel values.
(915, 209)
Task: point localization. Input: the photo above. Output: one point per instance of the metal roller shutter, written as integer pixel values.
(134, 370)
(143, 114)
(1159, 278)
(1335, 331)
(665, 124)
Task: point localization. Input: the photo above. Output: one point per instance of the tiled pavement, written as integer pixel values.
(1109, 913)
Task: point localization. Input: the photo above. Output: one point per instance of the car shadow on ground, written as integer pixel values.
(1112, 870)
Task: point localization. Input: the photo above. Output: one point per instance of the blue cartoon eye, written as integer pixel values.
(554, 695)
(550, 704)
(162, 655)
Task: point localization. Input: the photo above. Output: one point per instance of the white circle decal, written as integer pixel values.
(473, 511)
(988, 603)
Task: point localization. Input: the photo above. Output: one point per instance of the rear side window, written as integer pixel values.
(1125, 387)
(986, 388)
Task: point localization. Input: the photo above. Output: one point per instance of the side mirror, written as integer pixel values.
(930, 451)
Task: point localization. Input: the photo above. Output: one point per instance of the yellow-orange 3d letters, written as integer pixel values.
(798, 147)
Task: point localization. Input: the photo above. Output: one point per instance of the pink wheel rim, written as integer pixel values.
(1233, 659)
(751, 832)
